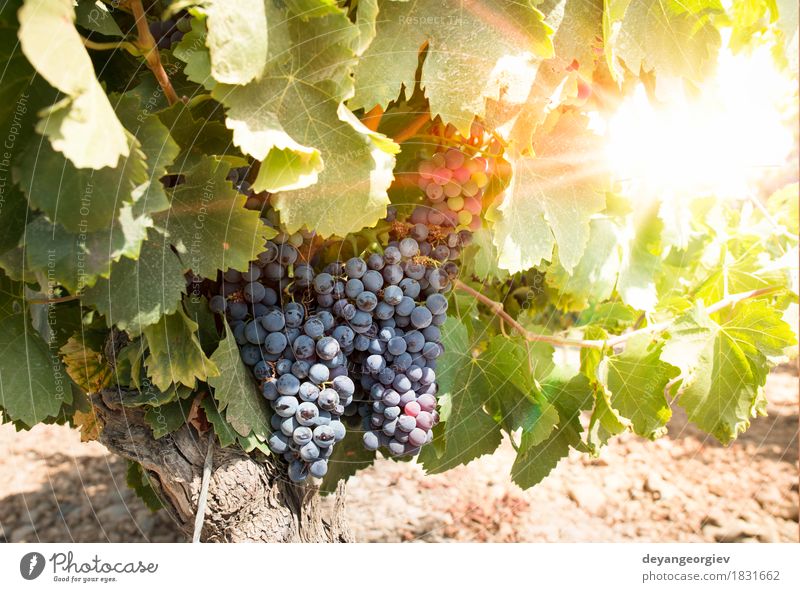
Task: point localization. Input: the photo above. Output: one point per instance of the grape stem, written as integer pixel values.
(147, 45)
(612, 341)
(126, 45)
(69, 298)
(412, 128)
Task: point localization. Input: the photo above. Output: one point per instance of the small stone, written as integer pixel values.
(587, 496)
(658, 487)
(24, 534)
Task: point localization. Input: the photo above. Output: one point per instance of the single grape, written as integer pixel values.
(309, 452)
(318, 373)
(288, 384)
(421, 317)
(309, 392)
(367, 301)
(278, 443)
(275, 343)
(324, 436)
(327, 348)
(269, 390)
(323, 283)
(373, 281)
(318, 468)
(217, 304)
(273, 321)
(355, 267)
(285, 406)
(370, 440)
(411, 408)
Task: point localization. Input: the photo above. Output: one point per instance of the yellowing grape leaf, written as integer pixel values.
(83, 125)
(578, 32)
(672, 37)
(551, 199)
(465, 44)
(175, 353)
(88, 424)
(723, 364)
(86, 367)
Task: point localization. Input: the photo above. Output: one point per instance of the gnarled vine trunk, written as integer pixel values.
(248, 500)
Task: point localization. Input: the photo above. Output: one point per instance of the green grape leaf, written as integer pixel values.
(95, 16)
(595, 276)
(208, 224)
(80, 199)
(236, 39)
(33, 384)
(480, 256)
(138, 480)
(154, 397)
(225, 433)
(724, 363)
(735, 272)
(641, 260)
(672, 37)
(156, 143)
(76, 260)
(83, 126)
(606, 421)
(167, 418)
(139, 291)
(193, 52)
(521, 364)
(469, 431)
(464, 49)
(366, 17)
(543, 445)
(196, 307)
(175, 353)
(13, 213)
(234, 389)
(636, 379)
(551, 199)
(292, 118)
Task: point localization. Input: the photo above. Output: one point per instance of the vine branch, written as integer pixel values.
(59, 300)
(499, 310)
(147, 45)
(412, 128)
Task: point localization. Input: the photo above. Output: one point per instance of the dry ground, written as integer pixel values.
(684, 487)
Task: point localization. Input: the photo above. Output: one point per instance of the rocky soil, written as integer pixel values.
(684, 487)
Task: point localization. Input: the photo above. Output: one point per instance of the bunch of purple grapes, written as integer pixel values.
(390, 308)
(360, 338)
